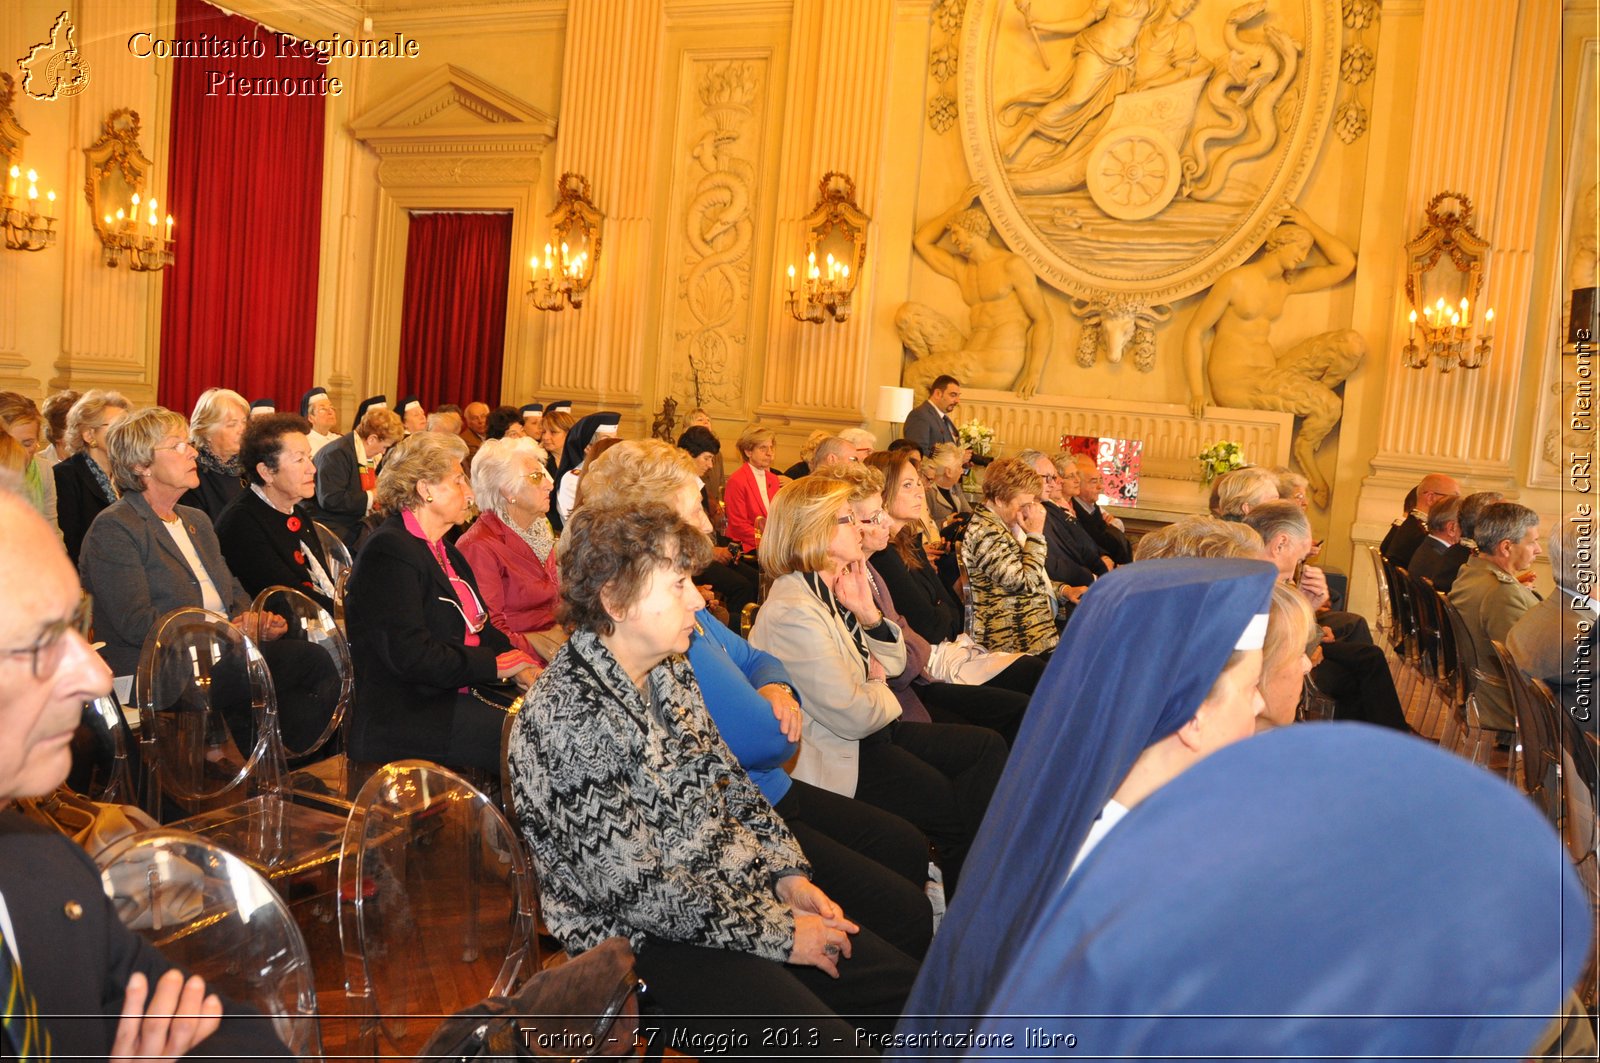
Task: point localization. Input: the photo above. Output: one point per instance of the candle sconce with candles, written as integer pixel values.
(132, 228)
(836, 249)
(562, 275)
(29, 220)
(1443, 297)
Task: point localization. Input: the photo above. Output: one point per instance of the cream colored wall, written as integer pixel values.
(1469, 94)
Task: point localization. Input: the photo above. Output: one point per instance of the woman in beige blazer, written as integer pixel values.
(820, 620)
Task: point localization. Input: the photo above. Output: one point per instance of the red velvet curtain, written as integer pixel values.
(244, 184)
(453, 332)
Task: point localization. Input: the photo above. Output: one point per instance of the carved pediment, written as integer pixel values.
(454, 111)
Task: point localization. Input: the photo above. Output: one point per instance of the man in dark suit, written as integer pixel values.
(929, 424)
(1072, 560)
(1440, 556)
(347, 473)
(1403, 538)
(79, 984)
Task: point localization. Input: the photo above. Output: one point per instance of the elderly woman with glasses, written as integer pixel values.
(216, 430)
(419, 625)
(822, 621)
(83, 480)
(147, 555)
(512, 548)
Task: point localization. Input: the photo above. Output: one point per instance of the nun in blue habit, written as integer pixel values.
(1145, 647)
(1329, 891)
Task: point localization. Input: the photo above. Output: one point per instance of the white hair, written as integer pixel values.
(495, 475)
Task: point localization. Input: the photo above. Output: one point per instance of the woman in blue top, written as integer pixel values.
(872, 862)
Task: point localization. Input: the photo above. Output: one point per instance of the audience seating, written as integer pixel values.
(202, 684)
(311, 622)
(208, 910)
(437, 905)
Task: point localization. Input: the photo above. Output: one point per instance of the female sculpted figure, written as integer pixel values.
(1244, 369)
(1011, 326)
(1102, 67)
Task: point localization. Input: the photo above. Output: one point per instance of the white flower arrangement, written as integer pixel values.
(1223, 456)
(977, 437)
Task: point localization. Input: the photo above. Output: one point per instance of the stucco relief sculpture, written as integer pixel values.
(719, 227)
(1241, 364)
(1011, 328)
(1134, 151)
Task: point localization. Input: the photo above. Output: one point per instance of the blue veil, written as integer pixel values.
(1328, 891)
(1142, 651)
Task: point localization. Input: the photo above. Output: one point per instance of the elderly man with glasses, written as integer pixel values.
(73, 981)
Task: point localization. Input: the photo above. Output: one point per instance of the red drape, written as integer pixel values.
(453, 332)
(244, 183)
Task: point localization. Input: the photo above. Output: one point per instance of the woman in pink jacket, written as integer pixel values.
(511, 548)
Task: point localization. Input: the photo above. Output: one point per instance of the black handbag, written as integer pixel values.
(502, 694)
(587, 1008)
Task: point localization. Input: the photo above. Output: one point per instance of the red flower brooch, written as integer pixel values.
(294, 524)
(299, 558)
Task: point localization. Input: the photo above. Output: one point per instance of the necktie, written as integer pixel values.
(948, 426)
(25, 1034)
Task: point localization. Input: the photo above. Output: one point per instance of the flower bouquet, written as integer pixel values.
(978, 438)
(1221, 457)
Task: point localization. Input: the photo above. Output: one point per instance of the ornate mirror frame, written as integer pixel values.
(116, 155)
(1448, 233)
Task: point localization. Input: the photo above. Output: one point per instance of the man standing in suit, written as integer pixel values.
(1555, 640)
(1440, 556)
(929, 424)
(74, 982)
(1403, 538)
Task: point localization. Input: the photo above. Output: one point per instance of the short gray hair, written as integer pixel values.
(210, 408)
(424, 457)
(1472, 507)
(131, 442)
(1572, 565)
(1278, 517)
(1031, 458)
(1503, 521)
(945, 454)
(1200, 535)
(859, 437)
(494, 469)
(1232, 491)
(1444, 511)
(831, 447)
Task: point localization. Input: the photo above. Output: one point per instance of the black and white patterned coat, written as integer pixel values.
(639, 818)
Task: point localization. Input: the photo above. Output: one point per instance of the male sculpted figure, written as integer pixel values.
(1243, 368)
(1011, 326)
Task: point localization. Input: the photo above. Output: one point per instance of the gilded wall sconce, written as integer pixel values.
(1444, 278)
(836, 250)
(29, 223)
(562, 275)
(131, 228)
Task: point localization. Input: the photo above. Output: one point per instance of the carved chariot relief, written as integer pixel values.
(1133, 151)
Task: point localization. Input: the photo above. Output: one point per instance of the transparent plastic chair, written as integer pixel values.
(437, 905)
(210, 912)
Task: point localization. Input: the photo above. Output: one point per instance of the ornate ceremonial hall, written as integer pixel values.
(1318, 273)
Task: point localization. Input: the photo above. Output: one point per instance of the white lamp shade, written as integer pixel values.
(894, 404)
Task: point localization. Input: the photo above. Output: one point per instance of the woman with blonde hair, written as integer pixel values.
(23, 422)
(750, 490)
(1293, 640)
(84, 486)
(216, 428)
(511, 546)
(419, 627)
(822, 621)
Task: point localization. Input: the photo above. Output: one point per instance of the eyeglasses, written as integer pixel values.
(877, 519)
(46, 651)
(182, 446)
(535, 478)
(848, 518)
